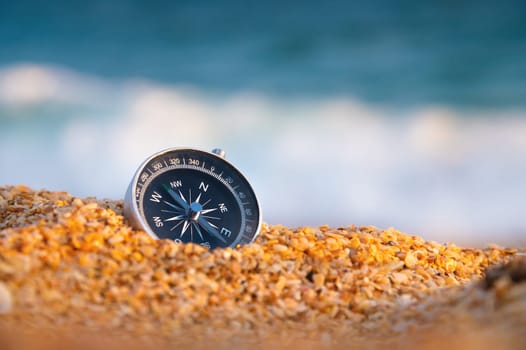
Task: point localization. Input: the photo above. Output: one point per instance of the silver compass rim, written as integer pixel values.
(132, 213)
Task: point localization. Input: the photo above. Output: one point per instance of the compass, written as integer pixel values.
(188, 195)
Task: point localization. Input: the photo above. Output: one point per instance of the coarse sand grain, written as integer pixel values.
(72, 272)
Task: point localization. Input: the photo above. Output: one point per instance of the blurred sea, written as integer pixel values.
(391, 113)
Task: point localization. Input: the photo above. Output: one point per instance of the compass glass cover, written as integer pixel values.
(187, 195)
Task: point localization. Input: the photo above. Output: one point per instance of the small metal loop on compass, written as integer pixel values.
(219, 152)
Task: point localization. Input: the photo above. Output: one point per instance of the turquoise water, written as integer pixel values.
(466, 53)
(389, 113)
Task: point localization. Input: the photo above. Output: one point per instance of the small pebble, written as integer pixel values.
(5, 299)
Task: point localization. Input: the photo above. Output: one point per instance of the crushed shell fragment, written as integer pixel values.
(78, 263)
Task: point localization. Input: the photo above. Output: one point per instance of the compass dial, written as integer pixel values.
(187, 195)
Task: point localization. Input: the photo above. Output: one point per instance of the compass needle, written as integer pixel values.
(198, 230)
(211, 217)
(177, 225)
(210, 228)
(185, 227)
(178, 217)
(206, 211)
(184, 199)
(173, 206)
(178, 198)
(214, 226)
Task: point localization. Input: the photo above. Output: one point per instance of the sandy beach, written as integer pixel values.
(73, 273)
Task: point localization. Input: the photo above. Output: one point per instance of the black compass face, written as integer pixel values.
(193, 196)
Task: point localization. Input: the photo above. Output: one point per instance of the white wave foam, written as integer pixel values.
(30, 84)
(436, 171)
